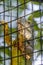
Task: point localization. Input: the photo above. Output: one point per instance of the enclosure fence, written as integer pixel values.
(21, 32)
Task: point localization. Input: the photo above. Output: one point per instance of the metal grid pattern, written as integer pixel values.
(7, 13)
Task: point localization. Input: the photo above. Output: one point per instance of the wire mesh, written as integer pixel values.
(16, 46)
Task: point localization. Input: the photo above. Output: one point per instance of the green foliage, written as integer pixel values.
(1, 59)
(1, 0)
(35, 25)
(12, 29)
(22, 1)
(7, 51)
(22, 7)
(36, 3)
(39, 41)
(36, 14)
(0, 30)
(32, 1)
(37, 45)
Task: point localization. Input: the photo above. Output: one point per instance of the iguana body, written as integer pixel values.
(24, 28)
(20, 45)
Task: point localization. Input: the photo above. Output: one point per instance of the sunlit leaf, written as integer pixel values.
(35, 14)
(35, 25)
(32, 1)
(35, 2)
(22, 1)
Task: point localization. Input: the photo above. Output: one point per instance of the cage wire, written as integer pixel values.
(19, 42)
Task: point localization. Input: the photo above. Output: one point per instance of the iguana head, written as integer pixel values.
(24, 28)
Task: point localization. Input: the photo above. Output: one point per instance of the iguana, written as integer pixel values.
(17, 44)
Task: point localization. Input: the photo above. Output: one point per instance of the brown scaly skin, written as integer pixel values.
(21, 39)
(14, 43)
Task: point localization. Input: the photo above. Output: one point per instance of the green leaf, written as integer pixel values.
(35, 25)
(38, 41)
(22, 7)
(37, 45)
(0, 29)
(38, 34)
(36, 14)
(1, 0)
(35, 2)
(7, 51)
(13, 29)
(1, 59)
(22, 1)
(32, 1)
